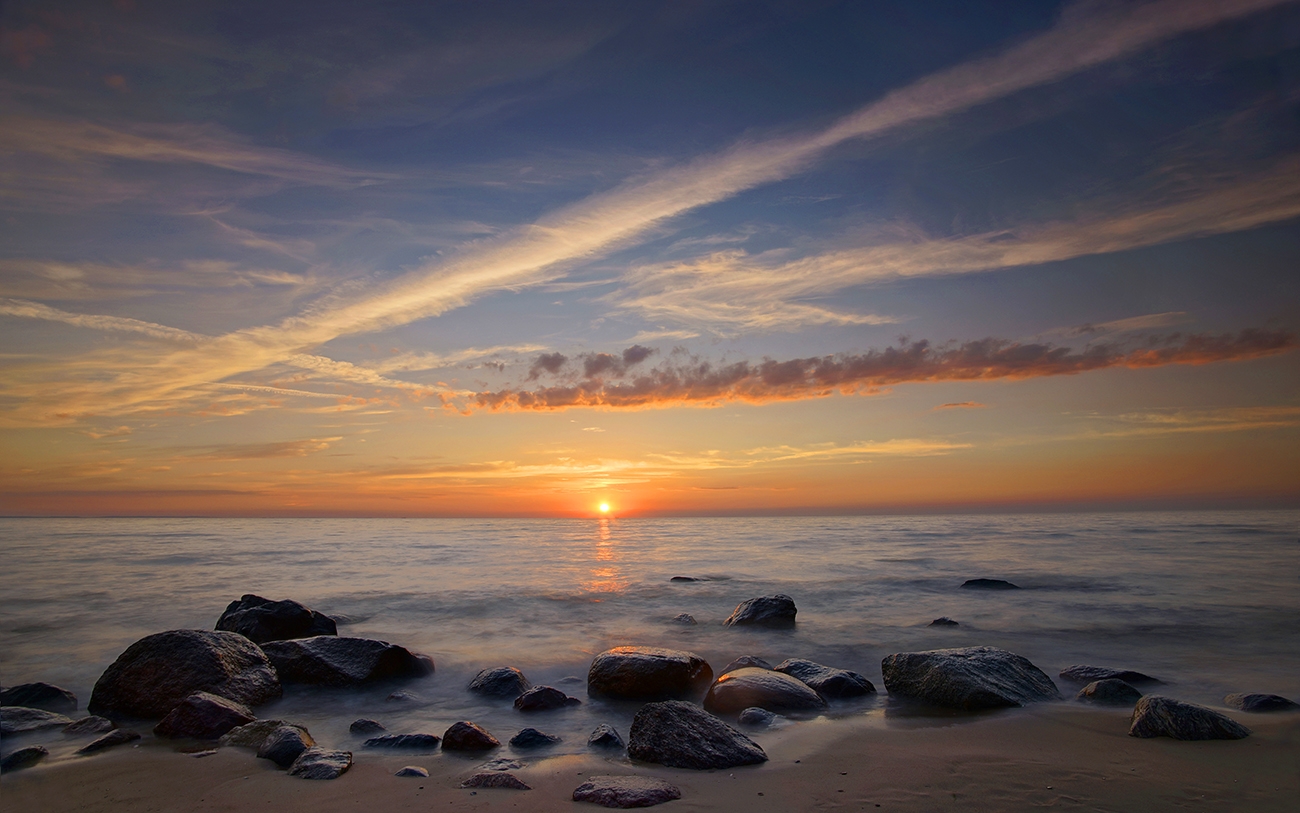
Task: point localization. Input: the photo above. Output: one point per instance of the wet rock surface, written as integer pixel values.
(685, 619)
(1260, 702)
(989, 584)
(495, 779)
(969, 678)
(252, 735)
(319, 763)
(828, 681)
(203, 716)
(89, 725)
(23, 758)
(943, 621)
(544, 698)
(756, 717)
(1087, 674)
(467, 736)
(330, 660)
(118, 736)
(20, 719)
(532, 738)
(605, 736)
(501, 681)
(743, 661)
(776, 611)
(365, 726)
(683, 735)
(1109, 692)
(45, 696)
(763, 688)
(261, 620)
(626, 791)
(1157, 716)
(648, 673)
(413, 770)
(405, 742)
(285, 744)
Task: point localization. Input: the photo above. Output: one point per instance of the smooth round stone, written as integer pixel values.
(751, 686)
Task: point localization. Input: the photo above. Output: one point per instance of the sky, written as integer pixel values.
(681, 258)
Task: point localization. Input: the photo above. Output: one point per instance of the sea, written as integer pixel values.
(1208, 602)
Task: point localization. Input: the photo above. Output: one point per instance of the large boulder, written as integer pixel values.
(625, 792)
(320, 763)
(1087, 674)
(203, 716)
(683, 735)
(648, 673)
(750, 686)
(1260, 702)
(837, 684)
(467, 736)
(329, 660)
(776, 611)
(40, 696)
(1109, 692)
(1156, 716)
(544, 698)
(501, 681)
(969, 678)
(261, 620)
(20, 719)
(153, 675)
(285, 744)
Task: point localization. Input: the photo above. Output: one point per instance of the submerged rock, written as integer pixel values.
(683, 735)
(776, 611)
(118, 736)
(685, 619)
(1109, 692)
(495, 779)
(944, 621)
(261, 620)
(23, 758)
(837, 684)
(605, 736)
(648, 673)
(1260, 702)
(1087, 674)
(687, 579)
(764, 688)
(405, 742)
(203, 716)
(330, 660)
(532, 738)
(968, 678)
(284, 745)
(1156, 716)
(363, 726)
(544, 698)
(989, 584)
(20, 719)
(45, 696)
(318, 763)
(252, 735)
(759, 718)
(743, 661)
(626, 791)
(413, 770)
(89, 725)
(501, 681)
(467, 736)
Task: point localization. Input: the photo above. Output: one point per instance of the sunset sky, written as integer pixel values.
(697, 257)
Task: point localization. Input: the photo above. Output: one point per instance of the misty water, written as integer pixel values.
(1207, 601)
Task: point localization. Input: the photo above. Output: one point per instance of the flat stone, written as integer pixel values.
(20, 719)
(413, 770)
(23, 758)
(743, 661)
(45, 696)
(1087, 674)
(261, 620)
(1260, 702)
(532, 738)
(943, 621)
(605, 736)
(118, 736)
(405, 742)
(203, 716)
(495, 779)
(776, 611)
(989, 584)
(828, 681)
(764, 688)
(318, 763)
(648, 673)
(331, 660)
(89, 725)
(500, 681)
(284, 745)
(969, 678)
(544, 698)
(467, 736)
(252, 735)
(626, 791)
(1109, 692)
(501, 764)
(363, 726)
(683, 735)
(1156, 716)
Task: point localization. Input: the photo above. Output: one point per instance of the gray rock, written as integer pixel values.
(495, 779)
(23, 758)
(776, 611)
(118, 736)
(1087, 674)
(683, 735)
(501, 681)
(532, 738)
(837, 684)
(40, 696)
(764, 688)
(1260, 702)
(501, 764)
(544, 698)
(685, 619)
(467, 736)
(403, 697)
(648, 673)
(203, 716)
(1156, 716)
(153, 675)
(743, 661)
(284, 745)
(330, 660)
(759, 718)
(943, 621)
(687, 579)
(89, 725)
(969, 678)
(605, 736)
(318, 763)
(252, 735)
(362, 727)
(989, 584)
(261, 620)
(626, 791)
(413, 770)
(20, 719)
(405, 742)
(1109, 692)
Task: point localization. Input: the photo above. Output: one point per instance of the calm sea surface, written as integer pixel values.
(1210, 602)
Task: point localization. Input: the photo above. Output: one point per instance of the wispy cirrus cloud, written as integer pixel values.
(34, 310)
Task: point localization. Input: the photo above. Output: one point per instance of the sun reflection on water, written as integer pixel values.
(606, 576)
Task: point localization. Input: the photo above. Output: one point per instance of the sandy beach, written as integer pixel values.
(1053, 756)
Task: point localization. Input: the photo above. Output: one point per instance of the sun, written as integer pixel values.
(604, 508)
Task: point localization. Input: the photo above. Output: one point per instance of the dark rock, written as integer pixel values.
(333, 661)
(837, 684)
(403, 697)
(1156, 716)
(467, 736)
(203, 716)
(759, 718)
(363, 727)
(683, 735)
(118, 736)
(687, 579)
(743, 661)
(989, 584)
(501, 764)
(626, 791)
(684, 618)
(252, 735)
(532, 738)
(648, 673)
(19, 719)
(40, 696)
(413, 770)
(89, 725)
(776, 611)
(1260, 702)
(23, 758)
(318, 763)
(544, 698)
(1087, 674)
(943, 621)
(495, 779)
(201, 754)
(261, 620)
(605, 736)
(284, 745)
(1109, 692)
(765, 688)
(157, 672)
(405, 742)
(501, 681)
(970, 678)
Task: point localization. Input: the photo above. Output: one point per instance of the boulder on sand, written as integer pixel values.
(203, 716)
(501, 681)
(284, 745)
(837, 684)
(118, 736)
(1260, 702)
(495, 779)
(319, 763)
(764, 688)
(626, 792)
(153, 675)
(1087, 674)
(254, 734)
(88, 725)
(1109, 692)
(605, 736)
(968, 678)
(23, 758)
(1156, 716)
(648, 673)
(40, 696)
(261, 620)
(329, 660)
(544, 698)
(467, 736)
(683, 735)
(532, 738)
(776, 611)
(20, 719)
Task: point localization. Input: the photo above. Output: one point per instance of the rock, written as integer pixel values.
(970, 678)
(501, 764)
(1087, 674)
(203, 716)
(39, 696)
(1156, 716)
(285, 744)
(605, 736)
(648, 673)
(532, 738)
(759, 718)
(333, 661)
(363, 727)
(413, 770)
(837, 684)
(405, 742)
(989, 584)
(1260, 702)
(544, 698)
(687, 579)
(157, 672)
(765, 688)
(19, 719)
(88, 725)
(494, 779)
(1109, 692)
(118, 736)
(252, 735)
(743, 661)
(501, 681)
(261, 620)
(23, 758)
(318, 763)
(943, 621)
(626, 791)
(776, 611)
(467, 736)
(685, 619)
(403, 697)
(201, 754)
(683, 735)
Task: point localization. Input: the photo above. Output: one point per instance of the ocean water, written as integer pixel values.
(1207, 601)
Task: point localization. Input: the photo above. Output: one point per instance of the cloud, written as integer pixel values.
(1147, 322)
(962, 405)
(1197, 421)
(35, 310)
(405, 362)
(262, 451)
(547, 363)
